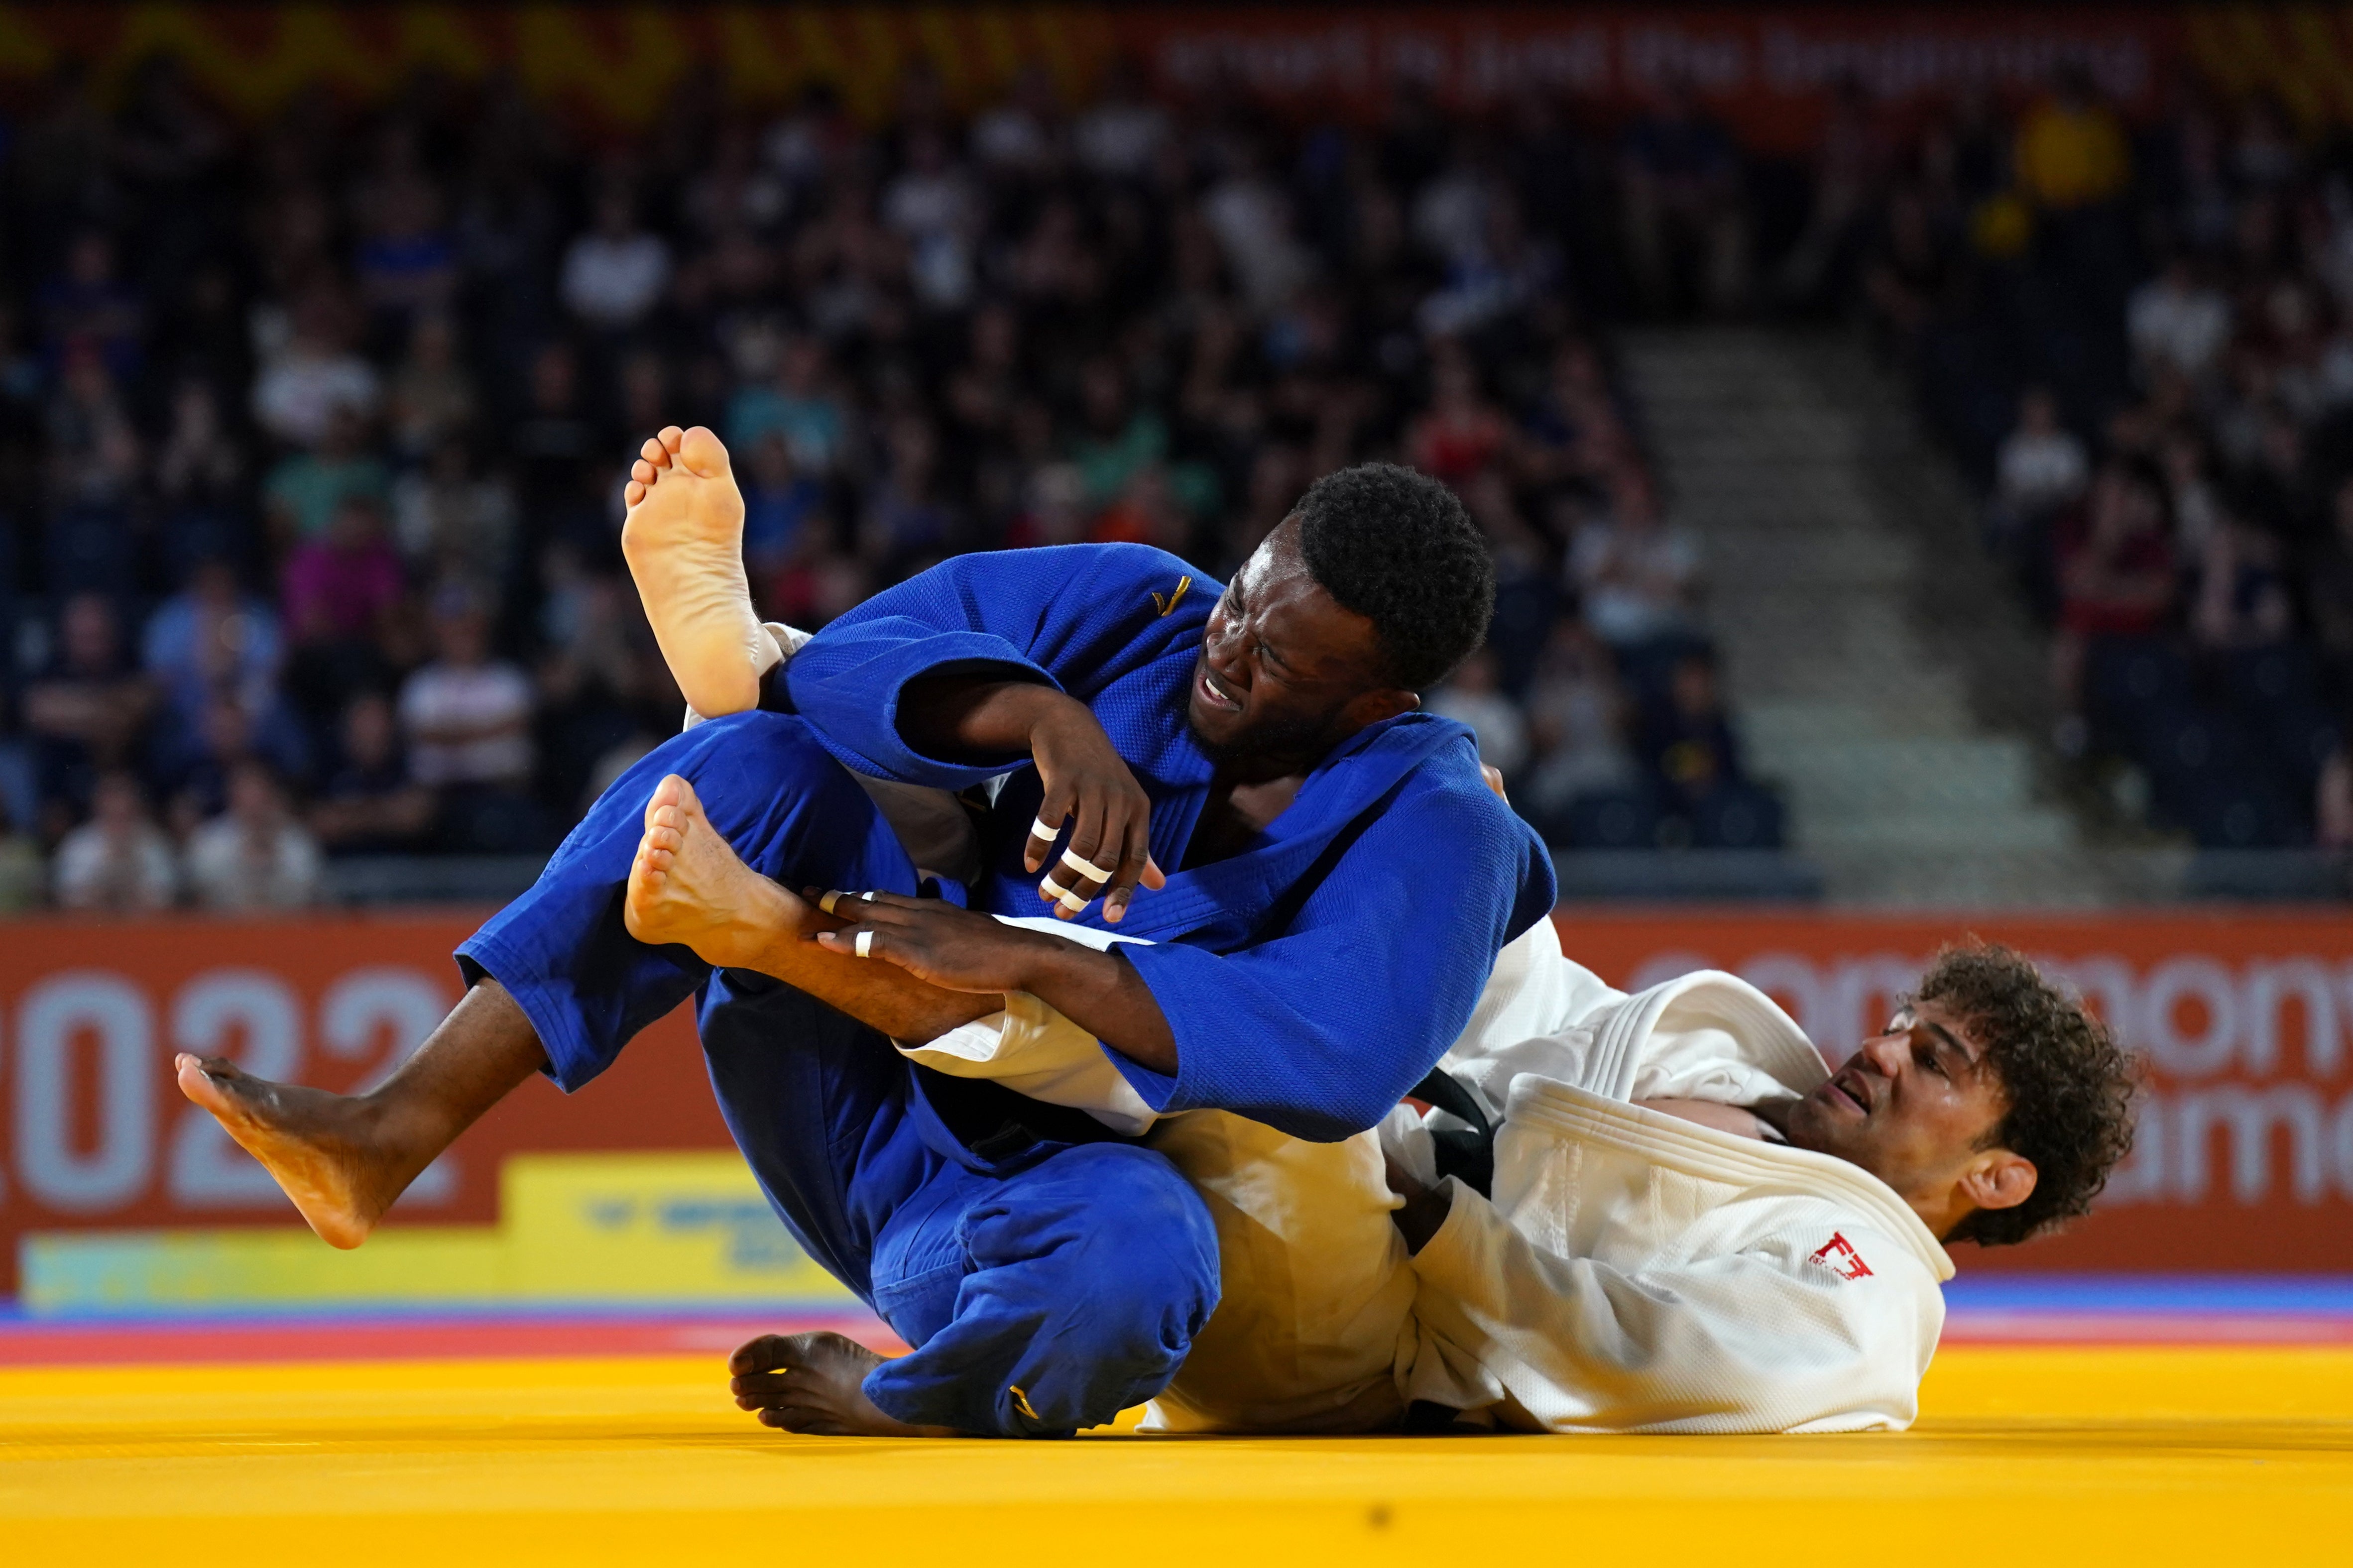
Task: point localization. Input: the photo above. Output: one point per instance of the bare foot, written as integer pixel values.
(326, 1150)
(683, 539)
(688, 886)
(815, 1384)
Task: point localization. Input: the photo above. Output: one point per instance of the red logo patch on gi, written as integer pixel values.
(1838, 1255)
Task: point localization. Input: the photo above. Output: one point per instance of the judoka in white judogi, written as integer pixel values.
(1633, 1271)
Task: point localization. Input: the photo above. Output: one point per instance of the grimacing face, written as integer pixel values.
(1917, 1106)
(1284, 669)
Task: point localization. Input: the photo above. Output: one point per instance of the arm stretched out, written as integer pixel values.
(946, 966)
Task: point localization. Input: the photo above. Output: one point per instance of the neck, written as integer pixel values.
(1942, 1212)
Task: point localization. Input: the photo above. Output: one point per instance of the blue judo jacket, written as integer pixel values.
(1309, 980)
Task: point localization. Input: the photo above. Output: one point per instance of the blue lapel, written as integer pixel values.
(1220, 906)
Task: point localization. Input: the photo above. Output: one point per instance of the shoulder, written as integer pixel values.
(1444, 800)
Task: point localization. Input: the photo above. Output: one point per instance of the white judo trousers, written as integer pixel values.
(1632, 1272)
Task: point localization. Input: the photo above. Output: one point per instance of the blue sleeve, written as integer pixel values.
(1072, 616)
(1319, 1031)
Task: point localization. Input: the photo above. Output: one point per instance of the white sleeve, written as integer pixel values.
(1758, 1341)
(1033, 1050)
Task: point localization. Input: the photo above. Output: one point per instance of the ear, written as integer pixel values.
(1375, 707)
(1998, 1179)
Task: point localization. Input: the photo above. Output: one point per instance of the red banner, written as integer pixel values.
(2245, 1159)
(2245, 1154)
(1767, 70)
(96, 1136)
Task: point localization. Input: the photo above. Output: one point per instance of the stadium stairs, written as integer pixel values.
(1881, 674)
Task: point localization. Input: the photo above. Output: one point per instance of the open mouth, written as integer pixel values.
(1214, 696)
(1840, 1090)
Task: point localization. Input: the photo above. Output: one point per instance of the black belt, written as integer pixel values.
(1466, 1153)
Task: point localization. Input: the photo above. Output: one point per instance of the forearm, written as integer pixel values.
(882, 996)
(965, 718)
(1102, 993)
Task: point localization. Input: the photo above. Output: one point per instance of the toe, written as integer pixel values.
(670, 439)
(632, 493)
(763, 1354)
(702, 452)
(654, 452)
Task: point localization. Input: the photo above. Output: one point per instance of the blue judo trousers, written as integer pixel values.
(1310, 978)
(1042, 1295)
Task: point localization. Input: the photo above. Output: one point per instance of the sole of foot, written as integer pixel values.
(683, 539)
(307, 1140)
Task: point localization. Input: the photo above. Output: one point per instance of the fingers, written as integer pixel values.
(1137, 868)
(1051, 813)
(859, 941)
(1076, 880)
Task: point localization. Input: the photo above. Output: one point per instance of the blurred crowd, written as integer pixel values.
(313, 430)
(2139, 339)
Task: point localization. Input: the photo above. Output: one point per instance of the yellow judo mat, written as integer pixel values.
(2084, 1456)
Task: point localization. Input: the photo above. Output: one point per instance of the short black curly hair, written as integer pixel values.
(2070, 1086)
(1397, 547)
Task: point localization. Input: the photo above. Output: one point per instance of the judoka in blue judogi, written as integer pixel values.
(1047, 1273)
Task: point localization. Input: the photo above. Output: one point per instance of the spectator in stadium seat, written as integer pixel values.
(1460, 432)
(1687, 742)
(341, 585)
(254, 854)
(468, 719)
(431, 396)
(87, 307)
(89, 712)
(315, 376)
(1472, 695)
(2118, 578)
(1909, 270)
(2241, 599)
(614, 274)
(1679, 174)
(95, 464)
(1636, 576)
(781, 505)
(2177, 321)
(200, 478)
(406, 264)
(213, 635)
(450, 521)
(118, 861)
(2328, 584)
(2072, 149)
(2280, 489)
(1577, 722)
(1120, 137)
(307, 488)
(798, 404)
(2041, 467)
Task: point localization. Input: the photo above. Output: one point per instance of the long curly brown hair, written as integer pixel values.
(2070, 1085)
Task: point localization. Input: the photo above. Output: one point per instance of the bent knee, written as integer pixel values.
(1148, 1241)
